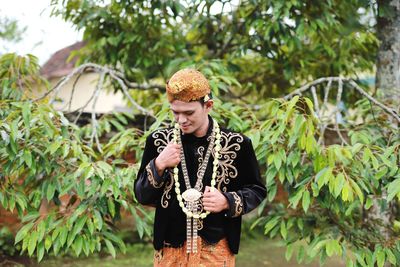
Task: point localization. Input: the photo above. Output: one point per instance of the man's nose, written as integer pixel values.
(182, 119)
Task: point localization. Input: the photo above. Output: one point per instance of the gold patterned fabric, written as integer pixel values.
(187, 85)
(238, 204)
(209, 255)
(150, 176)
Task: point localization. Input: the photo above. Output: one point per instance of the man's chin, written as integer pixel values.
(187, 130)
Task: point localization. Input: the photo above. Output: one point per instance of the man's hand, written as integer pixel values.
(168, 158)
(214, 200)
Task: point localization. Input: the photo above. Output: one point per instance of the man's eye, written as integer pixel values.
(189, 113)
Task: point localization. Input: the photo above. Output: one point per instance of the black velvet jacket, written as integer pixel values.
(238, 178)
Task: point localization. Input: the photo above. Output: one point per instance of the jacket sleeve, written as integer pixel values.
(252, 191)
(148, 184)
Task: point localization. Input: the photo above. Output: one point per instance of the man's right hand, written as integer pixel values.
(168, 158)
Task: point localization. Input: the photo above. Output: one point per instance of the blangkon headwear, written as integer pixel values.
(188, 85)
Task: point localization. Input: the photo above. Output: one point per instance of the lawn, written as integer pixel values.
(255, 251)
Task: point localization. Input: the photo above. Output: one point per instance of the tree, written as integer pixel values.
(388, 67)
(10, 31)
(330, 187)
(270, 46)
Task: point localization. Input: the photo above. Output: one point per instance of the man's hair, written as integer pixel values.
(202, 101)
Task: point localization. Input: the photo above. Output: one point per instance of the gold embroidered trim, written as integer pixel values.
(238, 204)
(161, 138)
(230, 145)
(167, 189)
(151, 178)
(158, 255)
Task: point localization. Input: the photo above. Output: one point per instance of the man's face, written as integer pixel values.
(192, 117)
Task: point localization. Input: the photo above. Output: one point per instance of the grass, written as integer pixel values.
(254, 251)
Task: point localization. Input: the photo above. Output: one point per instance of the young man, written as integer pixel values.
(201, 178)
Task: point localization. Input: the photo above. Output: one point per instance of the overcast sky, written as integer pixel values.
(44, 35)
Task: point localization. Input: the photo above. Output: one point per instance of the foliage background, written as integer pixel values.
(250, 51)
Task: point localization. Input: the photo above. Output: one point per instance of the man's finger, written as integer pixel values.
(208, 202)
(208, 208)
(208, 195)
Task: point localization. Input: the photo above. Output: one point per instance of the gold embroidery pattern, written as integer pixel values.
(151, 178)
(200, 151)
(167, 189)
(231, 144)
(199, 224)
(238, 204)
(161, 138)
(158, 255)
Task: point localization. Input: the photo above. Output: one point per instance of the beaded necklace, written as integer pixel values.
(189, 201)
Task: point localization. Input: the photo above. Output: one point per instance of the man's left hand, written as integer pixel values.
(214, 200)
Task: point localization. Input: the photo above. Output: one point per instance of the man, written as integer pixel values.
(200, 177)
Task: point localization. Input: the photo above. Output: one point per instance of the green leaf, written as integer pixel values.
(289, 252)
(111, 206)
(116, 240)
(32, 243)
(63, 236)
(329, 248)
(50, 191)
(271, 224)
(41, 228)
(393, 189)
(357, 190)
(98, 220)
(283, 230)
(55, 233)
(349, 263)
(300, 254)
(77, 246)
(322, 176)
(79, 225)
(14, 130)
(104, 166)
(22, 232)
(368, 203)
(110, 247)
(346, 192)
(294, 200)
(380, 257)
(390, 256)
(105, 186)
(28, 158)
(339, 183)
(309, 104)
(54, 146)
(47, 243)
(277, 161)
(26, 114)
(40, 251)
(90, 226)
(306, 200)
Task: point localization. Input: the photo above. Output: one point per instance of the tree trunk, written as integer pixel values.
(388, 61)
(388, 83)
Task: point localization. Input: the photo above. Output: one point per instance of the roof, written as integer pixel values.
(58, 66)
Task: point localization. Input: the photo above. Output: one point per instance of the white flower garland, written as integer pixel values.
(217, 148)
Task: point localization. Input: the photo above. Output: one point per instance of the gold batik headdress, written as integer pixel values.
(188, 85)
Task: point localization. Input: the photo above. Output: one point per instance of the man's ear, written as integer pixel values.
(209, 104)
